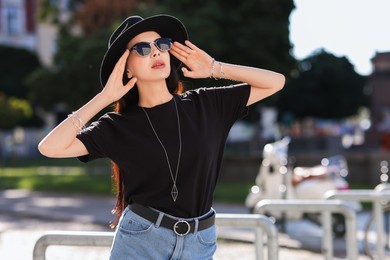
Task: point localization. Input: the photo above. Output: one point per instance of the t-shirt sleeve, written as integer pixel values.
(96, 140)
(229, 102)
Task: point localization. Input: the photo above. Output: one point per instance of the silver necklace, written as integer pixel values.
(174, 191)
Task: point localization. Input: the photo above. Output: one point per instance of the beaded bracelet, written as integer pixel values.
(79, 125)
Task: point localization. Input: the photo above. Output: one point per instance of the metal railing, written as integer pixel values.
(325, 208)
(382, 187)
(260, 223)
(90, 238)
(375, 197)
(70, 238)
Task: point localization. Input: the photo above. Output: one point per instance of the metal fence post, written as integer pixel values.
(317, 206)
(373, 196)
(259, 243)
(258, 222)
(70, 238)
(327, 244)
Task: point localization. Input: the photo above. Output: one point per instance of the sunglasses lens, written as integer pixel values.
(143, 48)
(164, 44)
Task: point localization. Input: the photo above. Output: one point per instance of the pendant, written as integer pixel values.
(174, 192)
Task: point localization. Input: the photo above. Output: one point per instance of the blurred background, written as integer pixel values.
(334, 54)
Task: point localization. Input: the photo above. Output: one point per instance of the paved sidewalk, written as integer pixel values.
(25, 216)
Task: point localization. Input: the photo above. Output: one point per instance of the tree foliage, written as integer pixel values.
(50, 10)
(13, 111)
(93, 15)
(325, 86)
(75, 77)
(15, 65)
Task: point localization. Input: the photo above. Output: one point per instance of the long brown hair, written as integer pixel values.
(124, 105)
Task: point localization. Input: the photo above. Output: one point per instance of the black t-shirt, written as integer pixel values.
(206, 116)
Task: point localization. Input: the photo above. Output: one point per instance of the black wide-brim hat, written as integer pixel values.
(165, 25)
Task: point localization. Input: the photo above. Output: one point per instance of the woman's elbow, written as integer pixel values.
(44, 149)
(280, 81)
(48, 150)
(58, 150)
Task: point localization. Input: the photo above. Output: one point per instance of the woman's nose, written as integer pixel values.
(155, 51)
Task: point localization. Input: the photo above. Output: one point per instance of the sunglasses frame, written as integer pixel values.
(155, 42)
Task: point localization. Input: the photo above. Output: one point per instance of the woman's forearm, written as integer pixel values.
(61, 141)
(263, 82)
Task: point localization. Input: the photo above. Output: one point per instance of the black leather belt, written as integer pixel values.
(181, 227)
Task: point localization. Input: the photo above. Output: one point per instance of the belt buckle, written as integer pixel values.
(178, 224)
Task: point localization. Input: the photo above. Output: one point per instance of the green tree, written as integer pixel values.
(75, 76)
(49, 10)
(324, 86)
(15, 65)
(92, 14)
(13, 111)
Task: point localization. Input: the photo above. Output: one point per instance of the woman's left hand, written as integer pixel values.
(197, 60)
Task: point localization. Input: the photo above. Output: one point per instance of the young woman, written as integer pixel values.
(166, 146)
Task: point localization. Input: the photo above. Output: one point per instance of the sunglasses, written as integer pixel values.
(145, 48)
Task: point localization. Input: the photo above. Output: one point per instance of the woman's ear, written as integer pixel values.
(129, 74)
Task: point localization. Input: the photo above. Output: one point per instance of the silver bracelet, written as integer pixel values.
(77, 122)
(221, 72)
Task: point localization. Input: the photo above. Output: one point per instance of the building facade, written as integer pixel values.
(19, 27)
(380, 100)
(18, 23)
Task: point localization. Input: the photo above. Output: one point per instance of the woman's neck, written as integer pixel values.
(153, 93)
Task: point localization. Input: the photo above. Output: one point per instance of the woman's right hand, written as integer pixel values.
(62, 142)
(114, 88)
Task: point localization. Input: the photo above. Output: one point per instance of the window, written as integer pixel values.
(12, 21)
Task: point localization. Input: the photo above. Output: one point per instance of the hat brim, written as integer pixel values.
(165, 25)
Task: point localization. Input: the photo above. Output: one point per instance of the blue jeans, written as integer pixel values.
(138, 238)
